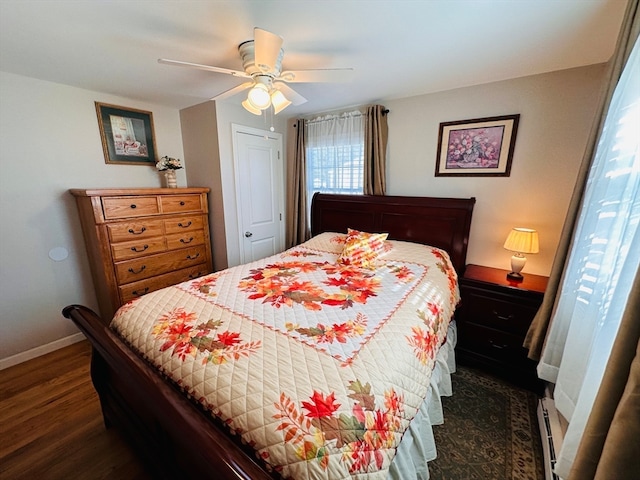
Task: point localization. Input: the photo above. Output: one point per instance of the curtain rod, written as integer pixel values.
(384, 112)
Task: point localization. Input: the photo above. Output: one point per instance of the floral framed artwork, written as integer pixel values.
(127, 135)
(481, 147)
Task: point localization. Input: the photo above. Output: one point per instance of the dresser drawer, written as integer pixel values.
(183, 224)
(138, 269)
(142, 229)
(138, 248)
(180, 203)
(503, 347)
(137, 289)
(496, 311)
(186, 239)
(126, 207)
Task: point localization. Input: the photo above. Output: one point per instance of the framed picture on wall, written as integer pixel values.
(481, 147)
(127, 135)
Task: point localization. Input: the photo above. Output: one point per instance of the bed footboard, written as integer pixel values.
(176, 439)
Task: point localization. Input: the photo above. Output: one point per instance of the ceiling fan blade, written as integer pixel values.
(290, 93)
(235, 73)
(267, 47)
(232, 91)
(335, 75)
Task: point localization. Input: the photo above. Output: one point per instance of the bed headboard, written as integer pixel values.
(440, 222)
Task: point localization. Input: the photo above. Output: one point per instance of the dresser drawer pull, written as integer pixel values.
(139, 294)
(133, 205)
(182, 240)
(133, 232)
(184, 226)
(504, 318)
(193, 257)
(139, 271)
(195, 275)
(135, 249)
(182, 204)
(495, 345)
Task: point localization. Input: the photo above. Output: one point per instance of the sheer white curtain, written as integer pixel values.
(604, 260)
(335, 154)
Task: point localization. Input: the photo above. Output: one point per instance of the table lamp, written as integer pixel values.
(520, 241)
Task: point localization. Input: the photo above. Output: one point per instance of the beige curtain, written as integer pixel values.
(376, 135)
(297, 230)
(534, 340)
(610, 446)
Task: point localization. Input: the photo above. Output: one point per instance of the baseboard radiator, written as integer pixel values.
(551, 433)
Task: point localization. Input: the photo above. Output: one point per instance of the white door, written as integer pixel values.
(259, 191)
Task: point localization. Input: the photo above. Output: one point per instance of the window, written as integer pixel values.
(335, 154)
(603, 261)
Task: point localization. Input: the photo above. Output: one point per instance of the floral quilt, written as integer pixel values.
(319, 366)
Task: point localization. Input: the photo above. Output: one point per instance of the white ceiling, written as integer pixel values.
(398, 48)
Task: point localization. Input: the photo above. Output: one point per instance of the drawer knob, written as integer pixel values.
(135, 249)
(133, 205)
(182, 204)
(495, 345)
(139, 294)
(185, 225)
(504, 318)
(193, 257)
(195, 275)
(139, 271)
(182, 240)
(133, 232)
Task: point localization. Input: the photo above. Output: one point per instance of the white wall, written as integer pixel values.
(556, 112)
(49, 143)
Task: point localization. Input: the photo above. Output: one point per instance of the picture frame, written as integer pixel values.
(480, 147)
(127, 135)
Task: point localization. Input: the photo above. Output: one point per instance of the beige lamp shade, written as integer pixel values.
(522, 240)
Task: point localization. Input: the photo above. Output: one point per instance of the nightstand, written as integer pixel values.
(493, 318)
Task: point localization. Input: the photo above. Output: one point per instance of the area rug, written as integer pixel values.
(490, 431)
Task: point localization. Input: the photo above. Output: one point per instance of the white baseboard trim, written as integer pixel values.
(41, 350)
(551, 433)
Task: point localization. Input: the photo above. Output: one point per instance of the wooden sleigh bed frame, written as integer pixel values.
(175, 436)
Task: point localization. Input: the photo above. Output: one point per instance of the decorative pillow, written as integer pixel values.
(362, 249)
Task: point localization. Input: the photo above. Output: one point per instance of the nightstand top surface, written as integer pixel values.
(534, 283)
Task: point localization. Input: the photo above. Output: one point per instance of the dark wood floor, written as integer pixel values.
(51, 424)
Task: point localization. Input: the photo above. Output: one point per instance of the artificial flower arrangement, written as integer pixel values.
(168, 163)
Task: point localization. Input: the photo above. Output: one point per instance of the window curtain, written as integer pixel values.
(596, 288)
(297, 230)
(375, 150)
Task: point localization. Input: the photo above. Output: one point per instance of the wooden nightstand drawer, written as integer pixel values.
(497, 311)
(501, 346)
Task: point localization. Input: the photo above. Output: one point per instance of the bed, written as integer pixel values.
(294, 366)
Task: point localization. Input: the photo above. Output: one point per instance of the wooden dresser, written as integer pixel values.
(141, 240)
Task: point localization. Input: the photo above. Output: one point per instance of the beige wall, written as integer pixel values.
(49, 142)
(556, 112)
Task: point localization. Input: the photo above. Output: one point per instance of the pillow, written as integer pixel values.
(361, 249)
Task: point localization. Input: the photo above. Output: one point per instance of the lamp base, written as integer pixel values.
(515, 276)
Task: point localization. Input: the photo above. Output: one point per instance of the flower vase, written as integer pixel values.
(170, 177)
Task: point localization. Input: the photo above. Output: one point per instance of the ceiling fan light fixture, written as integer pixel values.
(250, 108)
(279, 101)
(259, 96)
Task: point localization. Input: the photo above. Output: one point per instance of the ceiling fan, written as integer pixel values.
(262, 63)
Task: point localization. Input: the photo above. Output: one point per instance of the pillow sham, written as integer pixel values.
(361, 249)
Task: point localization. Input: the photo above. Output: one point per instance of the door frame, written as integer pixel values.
(237, 130)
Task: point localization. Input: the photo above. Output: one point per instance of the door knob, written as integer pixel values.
(248, 234)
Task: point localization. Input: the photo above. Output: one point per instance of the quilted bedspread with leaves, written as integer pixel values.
(317, 365)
